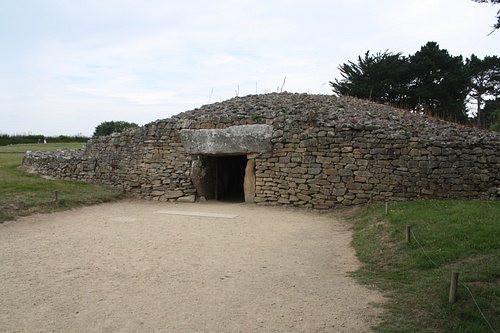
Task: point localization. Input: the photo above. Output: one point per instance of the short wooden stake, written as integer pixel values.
(57, 195)
(386, 207)
(453, 287)
(408, 234)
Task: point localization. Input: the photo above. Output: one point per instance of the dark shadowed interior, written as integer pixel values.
(230, 177)
(220, 177)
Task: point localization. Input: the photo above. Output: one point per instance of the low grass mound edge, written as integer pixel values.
(23, 194)
(445, 237)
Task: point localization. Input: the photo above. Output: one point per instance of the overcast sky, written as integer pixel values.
(67, 66)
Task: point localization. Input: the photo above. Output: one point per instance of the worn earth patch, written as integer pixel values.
(267, 270)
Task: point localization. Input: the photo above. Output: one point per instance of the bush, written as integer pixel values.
(108, 127)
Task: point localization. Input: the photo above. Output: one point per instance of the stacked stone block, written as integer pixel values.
(326, 152)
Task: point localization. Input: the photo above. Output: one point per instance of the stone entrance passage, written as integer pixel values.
(225, 178)
(223, 160)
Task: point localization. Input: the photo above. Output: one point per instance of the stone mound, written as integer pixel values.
(313, 151)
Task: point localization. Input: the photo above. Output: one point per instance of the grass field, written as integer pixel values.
(446, 236)
(23, 194)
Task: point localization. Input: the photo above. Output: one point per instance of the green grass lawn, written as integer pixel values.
(446, 236)
(23, 194)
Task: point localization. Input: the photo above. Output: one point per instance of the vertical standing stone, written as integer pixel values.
(249, 182)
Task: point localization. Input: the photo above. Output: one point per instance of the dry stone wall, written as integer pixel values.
(326, 152)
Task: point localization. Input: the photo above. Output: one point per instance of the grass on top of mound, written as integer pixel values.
(446, 236)
(23, 194)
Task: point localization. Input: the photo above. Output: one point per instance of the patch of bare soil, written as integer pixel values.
(137, 266)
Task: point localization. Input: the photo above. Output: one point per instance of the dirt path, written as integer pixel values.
(136, 266)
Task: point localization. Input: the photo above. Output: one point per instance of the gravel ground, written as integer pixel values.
(139, 266)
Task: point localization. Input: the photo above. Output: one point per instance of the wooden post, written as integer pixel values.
(386, 207)
(57, 194)
(408, 234)
(453, 287)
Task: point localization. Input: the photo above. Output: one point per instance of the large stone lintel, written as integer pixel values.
(243, 139)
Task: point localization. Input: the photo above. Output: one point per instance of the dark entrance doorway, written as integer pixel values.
(230, 175)
(220, 177)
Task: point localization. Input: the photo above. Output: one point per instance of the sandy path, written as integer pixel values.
(126, 267)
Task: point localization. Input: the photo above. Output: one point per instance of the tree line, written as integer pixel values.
(104, 128)
(6, 139)
(430, 81)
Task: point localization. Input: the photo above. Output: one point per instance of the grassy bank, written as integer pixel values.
(446, 237)
(23, 194)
